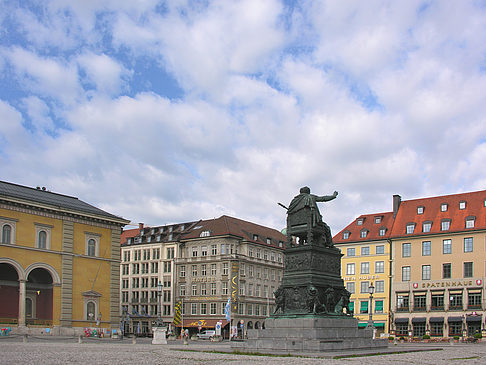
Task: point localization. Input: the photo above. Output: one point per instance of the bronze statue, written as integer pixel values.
(306, 199)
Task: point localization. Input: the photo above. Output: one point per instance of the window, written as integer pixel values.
(90, 311)
(350, 269)
(468, 244)
(257, 290)
(365, 251)
(363, 308)
(378, 306)
(213, 288)
(426, 226)
(377, 220)
(468, 269)
(91, 247)
(351, 287)
(405, 273)
(194, 289)
(203, 289)
(43, 237)
(345, 235)
(135, 268)
(359, 221)
(446, 246)
(250, 290)
(194, 251)
(351, 252)
(437, 329)
(462, 205)
(203, 270)
(204, 251)
(380, 250)
(212, 309)
(379, 267)
(364, 233)
(426, 250)
(193, 308)
(445, 224)
(364, 286)
(382, 231)
(474, 300)
(455, 328)
(425, 272)
(446, 271)
(194, 270)
(443, 207)
(470, 222)
(250, 251)
(406, 249)
(418, 329)
(437, 302)
(182, 290)
(170, 252)
(214, 250)
(205, 234)
(402, 302)
(183, 271)
(155, 267)
(213, 269)
(420, 210)
(225, 268)
(167, 266)
(380, 286)
(455, 300)
(410, 228)
(6, 233)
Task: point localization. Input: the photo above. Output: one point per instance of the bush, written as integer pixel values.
(425, 337)
(391, 338)
(478, 335)
(456, 338)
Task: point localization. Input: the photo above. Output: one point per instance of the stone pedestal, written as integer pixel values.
(309, 334)
(160, 336)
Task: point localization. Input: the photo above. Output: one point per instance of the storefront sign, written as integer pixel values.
(451, 284)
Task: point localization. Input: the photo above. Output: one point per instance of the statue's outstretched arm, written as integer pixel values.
(326, 198)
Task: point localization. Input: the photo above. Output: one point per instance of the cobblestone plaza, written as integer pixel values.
(38, 350)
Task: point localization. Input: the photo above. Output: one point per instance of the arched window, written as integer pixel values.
(90, 311)
(91, 247)
(42, 239)
(6, 233)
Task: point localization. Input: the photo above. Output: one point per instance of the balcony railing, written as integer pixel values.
(403, 309)
(419, 309)
(455, 307)
(436, 307)
(474, 306)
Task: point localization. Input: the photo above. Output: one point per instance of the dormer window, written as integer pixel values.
(345, 235)
(410, 228)
(280, 244)
(470, 222)
(426, 226)
(462, 205)
(420, 210)
(382, 231)
(269, 241)
(359, 222)
(255, 237)
(364, 233)
(443, 207)
(377, 220)
(445, 224)
(204, 234)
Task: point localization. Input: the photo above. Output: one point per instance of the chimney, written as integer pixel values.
(140, 226)
(397, 199)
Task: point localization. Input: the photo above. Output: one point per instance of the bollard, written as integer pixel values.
(134, 340)
(25, 338)
(80, 339)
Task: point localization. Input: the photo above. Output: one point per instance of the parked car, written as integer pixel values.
(206, 335)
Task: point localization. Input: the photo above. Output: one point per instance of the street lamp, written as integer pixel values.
(371, 290)
(159, 292)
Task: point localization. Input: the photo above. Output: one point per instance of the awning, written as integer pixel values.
(474, 318)
(419, 293)
(454, 319)
(376, 325)
(418, 320)
(401, 320)
(436, 319)
(474, 291)
(204, 323)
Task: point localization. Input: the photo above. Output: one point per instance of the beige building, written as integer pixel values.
(228, 259)
(439, 258)
(148, 259)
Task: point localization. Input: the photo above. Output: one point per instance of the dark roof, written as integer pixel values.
(225, 225)
(155, 234)
(54, 200)
(407, 213)
(368, 224)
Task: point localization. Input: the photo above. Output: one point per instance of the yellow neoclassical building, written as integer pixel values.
(59, 262)
(366, 263)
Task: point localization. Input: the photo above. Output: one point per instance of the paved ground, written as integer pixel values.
(67, 350)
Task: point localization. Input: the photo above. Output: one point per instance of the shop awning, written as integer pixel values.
(454, 319)
(401, 320)
(474, 318)
(418, 320)
(204, 323)
(436, 319)
(376, 325)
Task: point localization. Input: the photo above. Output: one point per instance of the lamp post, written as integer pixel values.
(371, 290)
(159, 292)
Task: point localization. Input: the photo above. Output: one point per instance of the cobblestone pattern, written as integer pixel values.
(68, 351)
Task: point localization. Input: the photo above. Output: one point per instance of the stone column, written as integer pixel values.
(22, 296)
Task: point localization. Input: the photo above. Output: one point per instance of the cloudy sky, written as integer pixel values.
(164, 112)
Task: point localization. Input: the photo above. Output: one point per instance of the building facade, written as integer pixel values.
(59, 262)
(439, 255)
(228, 260)
(147, 275)
(366, 252)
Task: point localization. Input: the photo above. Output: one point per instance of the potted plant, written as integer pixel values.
(391, 338)
(478, 336)
(456, 339)
(426, 338)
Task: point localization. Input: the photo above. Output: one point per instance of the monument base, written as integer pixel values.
(160, 337)
(309, 334)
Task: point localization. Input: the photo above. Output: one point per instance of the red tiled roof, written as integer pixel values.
(226, 225)
(368, 224)
(407, 213)
(127, 233)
